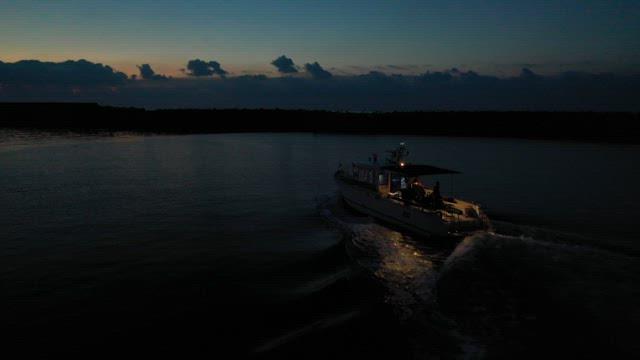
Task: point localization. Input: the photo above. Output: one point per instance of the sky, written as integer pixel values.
(346, 35)
(347, 54)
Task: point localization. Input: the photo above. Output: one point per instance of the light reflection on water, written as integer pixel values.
(206, 223)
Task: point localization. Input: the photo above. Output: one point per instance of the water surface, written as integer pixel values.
(204, 244)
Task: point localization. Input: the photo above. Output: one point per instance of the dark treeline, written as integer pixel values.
(87, 117)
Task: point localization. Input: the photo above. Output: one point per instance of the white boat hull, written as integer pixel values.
(411, 218)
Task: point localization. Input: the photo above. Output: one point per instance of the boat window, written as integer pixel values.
(364, 174)
(395, 183)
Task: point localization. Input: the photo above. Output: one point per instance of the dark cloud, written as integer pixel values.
(79, 73)
(316, 71)
(527, 73)
(199, 68)
(251, 77)
(438, 77)
(395, 69)
(147, 73)
(453, 89)
(284, 65)
(374, 74)
(464, 90)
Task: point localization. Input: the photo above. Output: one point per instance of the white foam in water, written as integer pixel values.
(405, 271)
(595, 284)
(400, 266)
(580, 271)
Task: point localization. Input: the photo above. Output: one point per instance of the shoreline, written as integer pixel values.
(607, 127)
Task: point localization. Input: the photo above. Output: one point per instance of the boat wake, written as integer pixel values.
(518, 291)
(407, 274)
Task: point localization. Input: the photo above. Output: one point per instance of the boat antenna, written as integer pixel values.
(399, 155)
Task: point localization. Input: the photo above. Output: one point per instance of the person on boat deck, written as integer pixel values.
(437, 197)
(414, 191)
(418, 189)
(436, 190)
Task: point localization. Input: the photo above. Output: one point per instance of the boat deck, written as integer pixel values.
(459, 214)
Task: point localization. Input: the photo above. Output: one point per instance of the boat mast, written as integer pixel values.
(399, 155)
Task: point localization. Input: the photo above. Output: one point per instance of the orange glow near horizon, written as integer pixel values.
(129, 67)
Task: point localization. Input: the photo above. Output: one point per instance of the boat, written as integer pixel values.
(393, 192)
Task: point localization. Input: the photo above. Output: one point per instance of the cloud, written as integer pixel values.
(200, 68)
(284, 65)
(78, 73)
(452, 89)
(147, 73)
(527, 74)
(316, 71)
(444, 90)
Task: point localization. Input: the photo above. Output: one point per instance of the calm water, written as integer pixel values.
(209, 244)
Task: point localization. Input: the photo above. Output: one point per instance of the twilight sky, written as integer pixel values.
(330, 54)
(497, 37)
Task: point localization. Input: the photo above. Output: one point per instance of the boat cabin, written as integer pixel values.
(393, 179)
(392, 191)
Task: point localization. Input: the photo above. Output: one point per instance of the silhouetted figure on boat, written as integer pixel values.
(436, 190)
(436, 196)
(415, 191)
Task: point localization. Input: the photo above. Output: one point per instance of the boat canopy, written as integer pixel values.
(418, 170)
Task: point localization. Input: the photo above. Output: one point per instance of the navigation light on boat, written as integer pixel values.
(401, 164)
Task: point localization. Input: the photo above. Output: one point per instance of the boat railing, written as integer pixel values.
(449, 213)
(446, 212)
